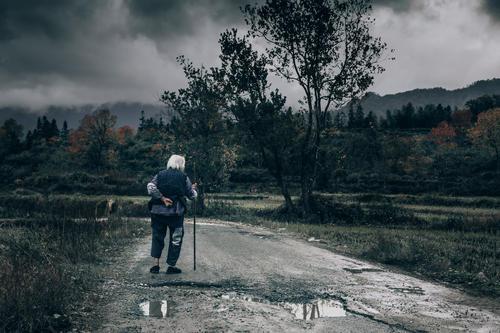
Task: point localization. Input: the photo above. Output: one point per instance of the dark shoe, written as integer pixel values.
(154, 269)
(173, 270)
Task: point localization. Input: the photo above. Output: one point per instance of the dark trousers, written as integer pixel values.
(159, 225)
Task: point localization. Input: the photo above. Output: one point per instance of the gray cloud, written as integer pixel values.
(53, 19)
(85, 51)
(397, 5)
(64, 52)
(159, 18)
(492, 8)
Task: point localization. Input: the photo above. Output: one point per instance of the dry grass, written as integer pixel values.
(48, 262)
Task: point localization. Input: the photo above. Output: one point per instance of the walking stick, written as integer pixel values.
(194, 224)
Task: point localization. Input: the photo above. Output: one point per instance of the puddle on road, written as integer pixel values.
(156, 309)
(247, 298)
(316, 309)
(409, 290)
(319, 308)
(258, 235)
(362, 270)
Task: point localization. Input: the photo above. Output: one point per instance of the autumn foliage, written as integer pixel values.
(94, 138)
(124, 133)
(486, 132)
(443, 134)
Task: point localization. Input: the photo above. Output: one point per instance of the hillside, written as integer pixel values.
(421, 97)
(129, 113)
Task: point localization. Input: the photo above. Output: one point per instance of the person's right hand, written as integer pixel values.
(167, 202)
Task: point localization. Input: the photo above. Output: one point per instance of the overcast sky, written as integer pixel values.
(65, 52)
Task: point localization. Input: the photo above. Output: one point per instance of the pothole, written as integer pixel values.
(362, 270)
(191, 284)
(409, 290)
(318, 308)
(175, 283)
(156, 309)
(258, 235)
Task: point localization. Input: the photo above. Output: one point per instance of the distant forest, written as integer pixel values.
(410, 117)
(433, 96)
(411, 150)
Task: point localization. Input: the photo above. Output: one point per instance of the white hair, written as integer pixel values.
(176, 162)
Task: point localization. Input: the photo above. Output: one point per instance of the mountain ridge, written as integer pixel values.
(379, 104)
(128, 113)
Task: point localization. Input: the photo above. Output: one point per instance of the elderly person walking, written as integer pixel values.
(169, 190)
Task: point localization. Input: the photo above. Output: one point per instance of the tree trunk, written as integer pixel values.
(308, 174)
(290, 208)
(310, 152)
(306, 195)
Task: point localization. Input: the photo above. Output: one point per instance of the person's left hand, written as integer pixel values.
(167, 202)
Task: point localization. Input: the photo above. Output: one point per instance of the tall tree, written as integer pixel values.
(64, 135)
(487, 132)
(482, 104)
(326, 48)
(199, 127)
(54, 129)
(259, 113)
(10, 137)
(94, 137)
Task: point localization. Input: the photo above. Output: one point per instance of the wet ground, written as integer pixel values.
(252, 279)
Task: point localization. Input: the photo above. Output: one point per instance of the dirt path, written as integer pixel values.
(252, 279)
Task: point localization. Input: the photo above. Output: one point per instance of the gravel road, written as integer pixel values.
(253, 279)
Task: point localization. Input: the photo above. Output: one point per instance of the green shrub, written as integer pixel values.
(329, 210)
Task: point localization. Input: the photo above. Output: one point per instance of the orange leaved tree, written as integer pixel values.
(94, 138)
(486, 132)
(443, 134)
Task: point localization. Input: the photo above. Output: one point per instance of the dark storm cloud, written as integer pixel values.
(67, 52)
(51, 18)
(492, 8)
(85, 51)
(181, 17)
(397, 5)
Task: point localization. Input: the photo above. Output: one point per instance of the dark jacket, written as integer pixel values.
(172, 184)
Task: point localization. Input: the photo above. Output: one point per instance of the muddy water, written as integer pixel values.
(319, 308)
(316, 309)
(156, 309)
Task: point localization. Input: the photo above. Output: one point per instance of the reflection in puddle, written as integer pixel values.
(319, 308)
(157, 309)
(316, 309)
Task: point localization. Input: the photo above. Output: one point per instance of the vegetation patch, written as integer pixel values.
(49, 262)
